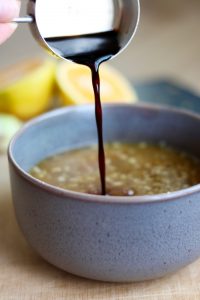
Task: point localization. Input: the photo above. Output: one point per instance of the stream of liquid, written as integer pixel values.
(91, 50)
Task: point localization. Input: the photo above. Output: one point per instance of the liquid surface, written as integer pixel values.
(132, 169)
(86, 49)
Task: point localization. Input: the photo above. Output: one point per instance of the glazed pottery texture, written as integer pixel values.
(106, 238)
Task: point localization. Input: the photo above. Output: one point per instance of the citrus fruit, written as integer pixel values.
(75, 85)
(26, 88)
(8, 126)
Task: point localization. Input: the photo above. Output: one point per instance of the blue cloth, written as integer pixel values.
(168, 93)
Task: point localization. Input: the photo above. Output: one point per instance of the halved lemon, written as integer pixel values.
(26, 88)
(75, 84)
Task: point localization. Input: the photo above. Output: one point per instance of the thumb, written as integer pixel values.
(9, 9)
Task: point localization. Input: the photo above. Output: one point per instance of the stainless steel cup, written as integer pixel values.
(69, 18)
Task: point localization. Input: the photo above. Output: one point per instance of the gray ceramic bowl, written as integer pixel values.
(106, 238)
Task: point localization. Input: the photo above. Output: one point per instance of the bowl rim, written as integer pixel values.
(78, 196)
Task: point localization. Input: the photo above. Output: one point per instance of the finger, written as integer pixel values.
(9, 9)
(6, 30)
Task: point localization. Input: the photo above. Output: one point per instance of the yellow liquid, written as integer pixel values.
(131, 169)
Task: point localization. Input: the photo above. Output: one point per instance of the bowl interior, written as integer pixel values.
(75, 127)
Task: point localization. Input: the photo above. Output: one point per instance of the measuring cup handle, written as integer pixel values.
(26, 19)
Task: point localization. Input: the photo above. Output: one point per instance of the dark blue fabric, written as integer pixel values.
(168, 93)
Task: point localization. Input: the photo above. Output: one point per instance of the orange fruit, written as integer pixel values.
(75, 85)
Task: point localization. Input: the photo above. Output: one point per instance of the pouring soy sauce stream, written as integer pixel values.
(87, 32)
(94, 49)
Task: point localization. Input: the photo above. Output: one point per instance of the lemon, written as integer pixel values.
(26, 88)
(8, 126)
(75, 85)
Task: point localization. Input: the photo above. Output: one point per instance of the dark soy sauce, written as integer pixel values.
(91, 50)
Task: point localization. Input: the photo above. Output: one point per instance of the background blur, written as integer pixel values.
(167, 44)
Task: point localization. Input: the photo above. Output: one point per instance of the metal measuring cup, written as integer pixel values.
(68, 18)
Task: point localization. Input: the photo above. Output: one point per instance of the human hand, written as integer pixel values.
(9, 9)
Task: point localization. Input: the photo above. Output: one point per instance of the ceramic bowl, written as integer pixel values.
(116, 239)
